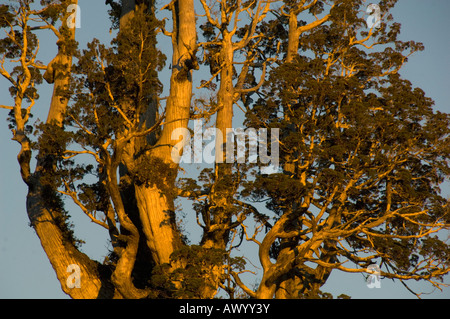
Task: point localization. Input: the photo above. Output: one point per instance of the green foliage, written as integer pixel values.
(10, 48)
(153, 171)
(122, 78)
(111, 89)
(7, 17)
(114, 12)
(190, 280)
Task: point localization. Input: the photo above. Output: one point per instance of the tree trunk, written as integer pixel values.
(217, 235)
(156, 213)
(288, 288)
(265, 291)
(294, 37)
(61, 252)
(155, 204)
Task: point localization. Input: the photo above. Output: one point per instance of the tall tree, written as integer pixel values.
(44, 207)
(360, 143)
(225, 37)
(362, 152)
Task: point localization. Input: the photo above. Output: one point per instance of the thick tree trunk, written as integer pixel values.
(156, 207)
(266, 291)
(61, 252)
(156, 213)
(225, 95)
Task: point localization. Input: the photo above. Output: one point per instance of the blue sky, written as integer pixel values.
(25, 271)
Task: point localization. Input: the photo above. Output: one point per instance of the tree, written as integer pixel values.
(363, 154)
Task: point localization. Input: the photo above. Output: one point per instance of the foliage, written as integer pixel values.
(363, 151)
(363, 154)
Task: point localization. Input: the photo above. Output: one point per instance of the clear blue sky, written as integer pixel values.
(25, 271)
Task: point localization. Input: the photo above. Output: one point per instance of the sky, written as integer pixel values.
(25, 271)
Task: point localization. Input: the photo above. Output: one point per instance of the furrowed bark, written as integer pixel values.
(61, 252)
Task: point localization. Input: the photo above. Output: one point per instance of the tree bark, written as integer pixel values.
(293, 37)
(218, 238)
(62, 253)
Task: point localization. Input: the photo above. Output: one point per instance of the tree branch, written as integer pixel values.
(239, 282)
(72, 194)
